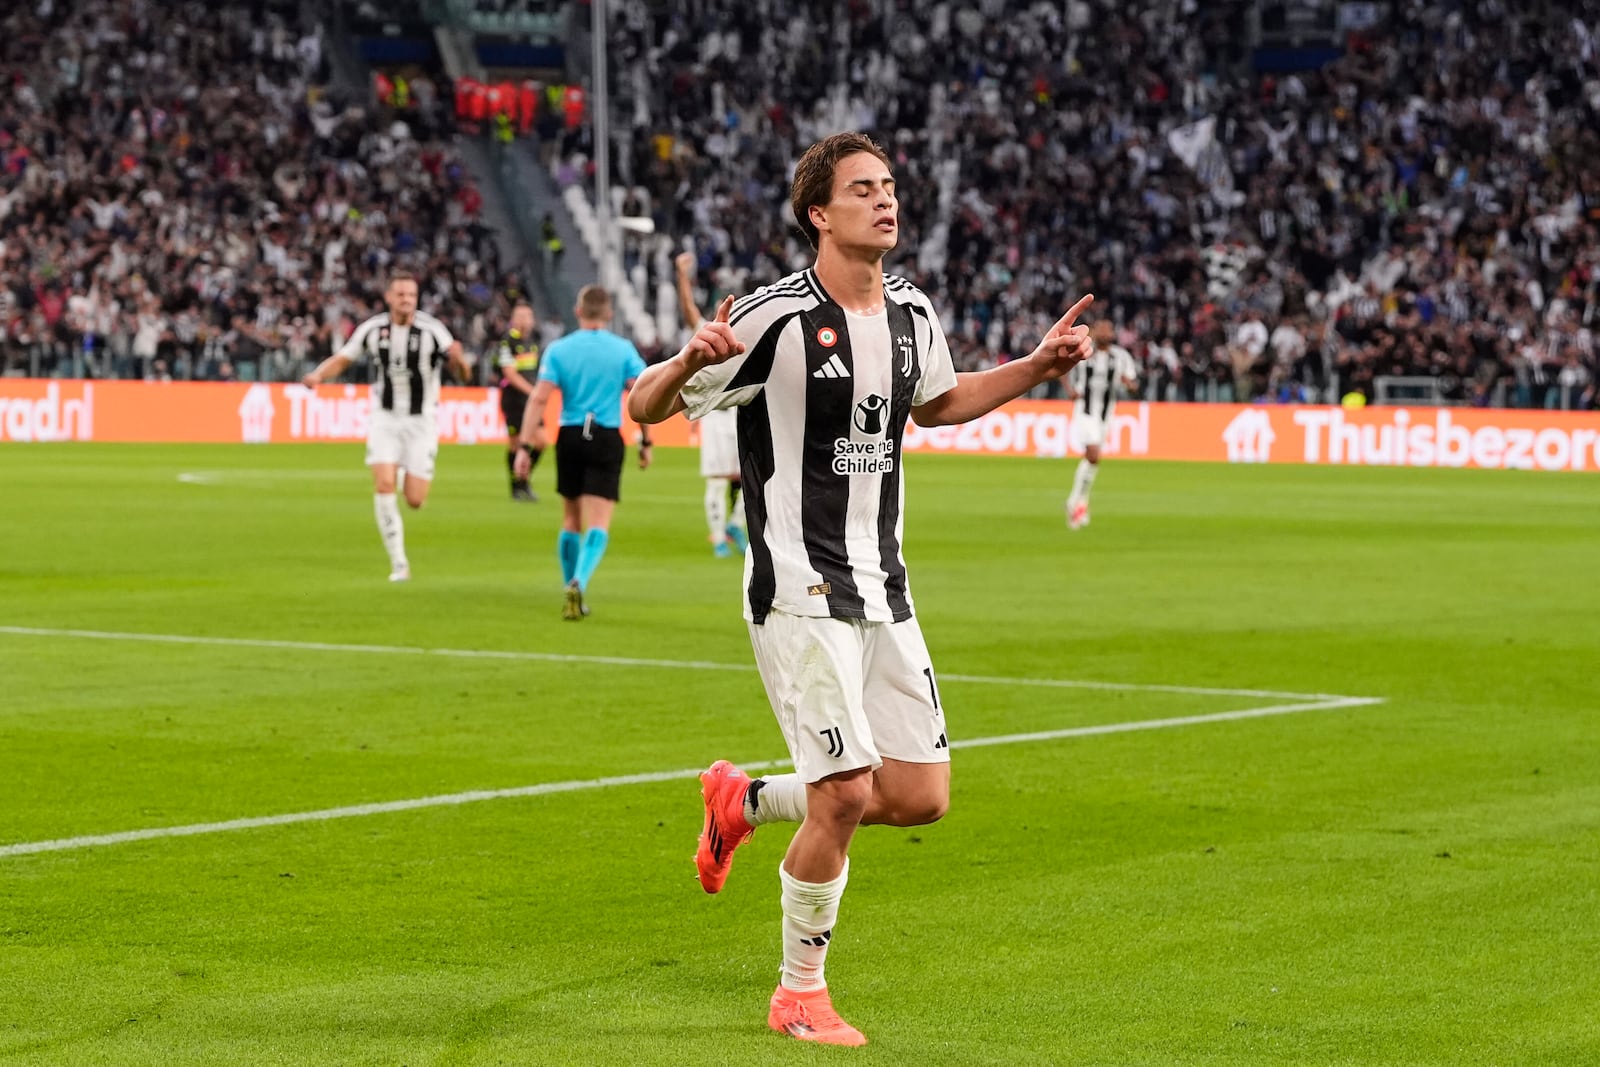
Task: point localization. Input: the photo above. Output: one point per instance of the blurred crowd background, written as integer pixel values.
(186, 192)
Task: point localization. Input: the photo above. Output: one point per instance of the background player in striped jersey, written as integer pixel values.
(719, 442)
(517, 357)
(824, 369)
(1092, 387)
(407, 349)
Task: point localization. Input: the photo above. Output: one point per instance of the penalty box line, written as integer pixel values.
(67, 844)
(1304, 702)
(626, 661)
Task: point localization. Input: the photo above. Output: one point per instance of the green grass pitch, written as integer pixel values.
(1399, 883)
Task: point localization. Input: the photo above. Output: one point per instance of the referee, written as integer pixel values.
(593, 368)
(518, 361)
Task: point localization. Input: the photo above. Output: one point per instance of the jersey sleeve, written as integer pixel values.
(442, 337)
(633, 365)
(939, 369)
(550, 365)
(504, 357)
(1126, 367)
(355, 346)
(761, 325)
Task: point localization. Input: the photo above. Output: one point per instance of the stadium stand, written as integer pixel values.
(186, 196)
(1422, 206)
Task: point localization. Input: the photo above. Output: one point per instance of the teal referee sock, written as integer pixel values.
(567, 547)
(594, 547)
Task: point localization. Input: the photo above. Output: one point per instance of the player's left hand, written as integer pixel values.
(1067, 344)
(522, 466)
(644, 457)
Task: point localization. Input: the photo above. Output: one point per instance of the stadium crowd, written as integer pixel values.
(184, 195)
(1424, 205)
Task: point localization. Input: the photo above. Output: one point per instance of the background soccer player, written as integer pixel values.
(593, 368)
(719, 442)
(517, 357)
(1092, 387)
(825, 368)
(407, 349)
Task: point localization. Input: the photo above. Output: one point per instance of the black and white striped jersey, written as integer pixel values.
(823, 396)
(1095, 381)
(406, 361)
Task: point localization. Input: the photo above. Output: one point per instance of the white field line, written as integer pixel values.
(66, 844)
(1304, 702)
(621, 661)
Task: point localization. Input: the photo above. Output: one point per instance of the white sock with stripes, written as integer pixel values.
(387, 509)
(809, 912)
(1082, 481)
(717, 509)
(775, 798)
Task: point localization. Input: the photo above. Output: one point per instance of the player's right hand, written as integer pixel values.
(311, 381)
(714, 341)
(684, 261)
(522, 466)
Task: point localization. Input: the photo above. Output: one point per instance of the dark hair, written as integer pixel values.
(813, 175)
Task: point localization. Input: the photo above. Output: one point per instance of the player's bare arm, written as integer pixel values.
(684, 263)
(459, 363)
(656, 396)
(976, 394)
(532, 434)
(329, 368)
(515, 379)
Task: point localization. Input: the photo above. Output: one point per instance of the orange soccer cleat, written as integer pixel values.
(723, 787)
(809, 1016)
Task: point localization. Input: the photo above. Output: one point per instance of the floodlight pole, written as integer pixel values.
(602, 146)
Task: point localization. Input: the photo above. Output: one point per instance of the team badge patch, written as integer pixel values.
(827, 337)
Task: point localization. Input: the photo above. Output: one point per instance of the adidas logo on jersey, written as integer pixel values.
(834, 368)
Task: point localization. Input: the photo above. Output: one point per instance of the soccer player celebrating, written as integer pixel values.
(407, 349)
(824, 369)
(518, 360)
(1092, 387)
(593, 368)
(719, 443)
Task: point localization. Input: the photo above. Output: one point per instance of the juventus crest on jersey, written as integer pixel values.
(406, 361)
(823, 396)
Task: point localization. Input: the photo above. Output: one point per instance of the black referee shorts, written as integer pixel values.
(589, 466)
(513, 403)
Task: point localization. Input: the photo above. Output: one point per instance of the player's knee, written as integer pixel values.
(927, 809)
(840, 801)
(416, 502)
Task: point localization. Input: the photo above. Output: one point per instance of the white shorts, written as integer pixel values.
(849, 694)
(408, 441)
(719, 444)
(1087, 431)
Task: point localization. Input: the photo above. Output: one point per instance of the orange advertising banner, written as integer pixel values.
(69, 410)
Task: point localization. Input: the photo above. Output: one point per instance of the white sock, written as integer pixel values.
(809, 911)
(736, 512)
(393, 530)
(717, 509)
(775, 798)
(1082, 481)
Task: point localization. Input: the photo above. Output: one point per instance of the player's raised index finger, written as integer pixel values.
(725, 308)
(1076, 309)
